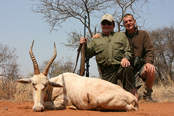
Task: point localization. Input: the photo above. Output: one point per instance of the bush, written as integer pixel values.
(7, 89)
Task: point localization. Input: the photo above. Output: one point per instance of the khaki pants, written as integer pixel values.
(125, 74)
(137, 74)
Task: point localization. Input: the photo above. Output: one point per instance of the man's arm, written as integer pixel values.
(90, 46)
(149, 54)
(128, 53)
(148, 49)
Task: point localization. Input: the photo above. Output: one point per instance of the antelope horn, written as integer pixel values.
(45, 72)
(35, 65)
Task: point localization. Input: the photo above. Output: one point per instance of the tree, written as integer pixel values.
(162, 39)
(9, 72)
(8, 65)
(56, 12)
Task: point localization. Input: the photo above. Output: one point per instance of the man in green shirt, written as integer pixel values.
(112, 53)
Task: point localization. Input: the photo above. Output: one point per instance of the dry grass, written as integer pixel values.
(7, 89)
(11, 90)
(163, 91)
(23, 92)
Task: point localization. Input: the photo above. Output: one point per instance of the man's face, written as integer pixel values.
(129, 23)
(107, 27)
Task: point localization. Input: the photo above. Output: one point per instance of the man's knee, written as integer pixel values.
(146, 74)
(128, 69)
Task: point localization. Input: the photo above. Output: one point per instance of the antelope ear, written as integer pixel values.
(54, 84)
(24, 81)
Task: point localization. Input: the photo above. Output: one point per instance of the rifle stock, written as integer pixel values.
(83, 49)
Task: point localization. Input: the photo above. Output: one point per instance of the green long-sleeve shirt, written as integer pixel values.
(109, 50)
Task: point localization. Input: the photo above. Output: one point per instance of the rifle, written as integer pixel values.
(84, 58)
(81, 49)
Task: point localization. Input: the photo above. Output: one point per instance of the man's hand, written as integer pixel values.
(149, 68)
(83, 40)
(96, 36)
(125, 62)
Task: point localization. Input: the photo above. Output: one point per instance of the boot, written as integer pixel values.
(147, 95)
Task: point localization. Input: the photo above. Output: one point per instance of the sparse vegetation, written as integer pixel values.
(7, 89)
(23, 92)
(8, 72)
(163, 91)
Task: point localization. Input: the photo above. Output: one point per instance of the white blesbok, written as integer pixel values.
(70, 90)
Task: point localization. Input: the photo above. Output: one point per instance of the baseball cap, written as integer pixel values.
(108, 17)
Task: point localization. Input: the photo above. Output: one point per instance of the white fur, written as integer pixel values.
(79, 92)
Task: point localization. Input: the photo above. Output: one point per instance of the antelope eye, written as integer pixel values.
(34, 86)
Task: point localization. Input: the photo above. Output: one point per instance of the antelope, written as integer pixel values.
(69, 90)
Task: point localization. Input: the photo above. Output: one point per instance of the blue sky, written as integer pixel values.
(19, 26)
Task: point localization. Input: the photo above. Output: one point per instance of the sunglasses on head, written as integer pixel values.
(106, 22)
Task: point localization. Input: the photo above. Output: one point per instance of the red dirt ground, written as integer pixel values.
(24, 109)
